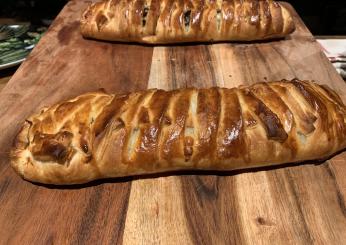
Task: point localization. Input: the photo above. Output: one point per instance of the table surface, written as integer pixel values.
(291, 204)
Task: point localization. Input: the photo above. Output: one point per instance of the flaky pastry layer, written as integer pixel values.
(173, 21)
(99, 135)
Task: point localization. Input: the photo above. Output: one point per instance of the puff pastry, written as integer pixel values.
(175, 21)
(99, 135)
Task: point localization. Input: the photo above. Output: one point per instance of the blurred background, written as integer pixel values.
(323, 17)
(36, 11)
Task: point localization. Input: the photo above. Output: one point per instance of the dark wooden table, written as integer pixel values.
(293, 204)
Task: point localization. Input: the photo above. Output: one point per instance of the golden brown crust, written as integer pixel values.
(98, 135)
(172, 21)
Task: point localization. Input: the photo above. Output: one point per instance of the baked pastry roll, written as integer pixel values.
(175, 21)
(99, 135)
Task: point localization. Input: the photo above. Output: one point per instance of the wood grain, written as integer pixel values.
(293, 204)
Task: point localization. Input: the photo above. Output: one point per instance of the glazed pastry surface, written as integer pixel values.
(99, 135)
(175, 21)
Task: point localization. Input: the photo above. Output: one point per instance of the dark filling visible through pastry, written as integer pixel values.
(274, 128)
(101, 20)
(187, 18)
(50, 147)
(144, 15)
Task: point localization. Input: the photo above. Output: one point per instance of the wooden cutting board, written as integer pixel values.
(294, 204)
